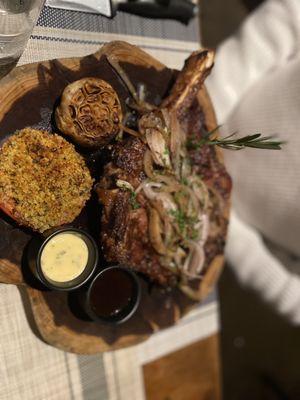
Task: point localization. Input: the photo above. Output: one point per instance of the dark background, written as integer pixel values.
(260, 350)
(220, 18)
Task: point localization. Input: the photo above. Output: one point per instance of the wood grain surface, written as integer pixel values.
(28, 96)
(192, 373)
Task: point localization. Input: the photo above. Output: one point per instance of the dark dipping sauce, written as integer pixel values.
(112, 293)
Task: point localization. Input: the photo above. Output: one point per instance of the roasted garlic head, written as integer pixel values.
(89, 112)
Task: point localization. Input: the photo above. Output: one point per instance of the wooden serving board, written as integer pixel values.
(28, 96)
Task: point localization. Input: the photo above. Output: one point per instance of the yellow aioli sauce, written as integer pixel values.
(64, 257)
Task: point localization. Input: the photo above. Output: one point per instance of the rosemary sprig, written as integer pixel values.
(232, 143)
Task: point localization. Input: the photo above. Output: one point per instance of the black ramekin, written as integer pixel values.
(34, 260)
(126, 313)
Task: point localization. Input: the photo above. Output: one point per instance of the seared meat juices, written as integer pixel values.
(163, 202)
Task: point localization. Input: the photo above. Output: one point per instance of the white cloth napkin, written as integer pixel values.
(255, 87)
(92, 6)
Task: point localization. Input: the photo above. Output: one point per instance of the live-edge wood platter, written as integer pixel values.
(28, 96)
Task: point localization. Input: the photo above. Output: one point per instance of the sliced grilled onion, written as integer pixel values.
(204, 228)
(169, 232)
(168, 228)
(167, 202)
(155, 232)
(201, 191)
(158, 147)
(195, 260)
(171, 184)
(148, 188)
(148, 165)
(189, 292)
(165, 198)
(195, 206)
(179, 257)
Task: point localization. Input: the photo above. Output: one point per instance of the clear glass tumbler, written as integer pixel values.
(17, 20)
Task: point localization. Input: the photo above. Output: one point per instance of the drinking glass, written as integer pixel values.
(17, 20)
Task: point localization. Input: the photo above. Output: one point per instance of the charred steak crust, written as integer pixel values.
(125, 237)
(125, 228)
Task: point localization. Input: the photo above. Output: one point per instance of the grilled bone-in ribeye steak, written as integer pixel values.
(158, 193)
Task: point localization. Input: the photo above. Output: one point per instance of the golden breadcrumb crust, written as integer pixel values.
(44, 182)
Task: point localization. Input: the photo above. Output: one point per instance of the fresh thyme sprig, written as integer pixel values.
(133, 201)
(232, 143)
(185, 224)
